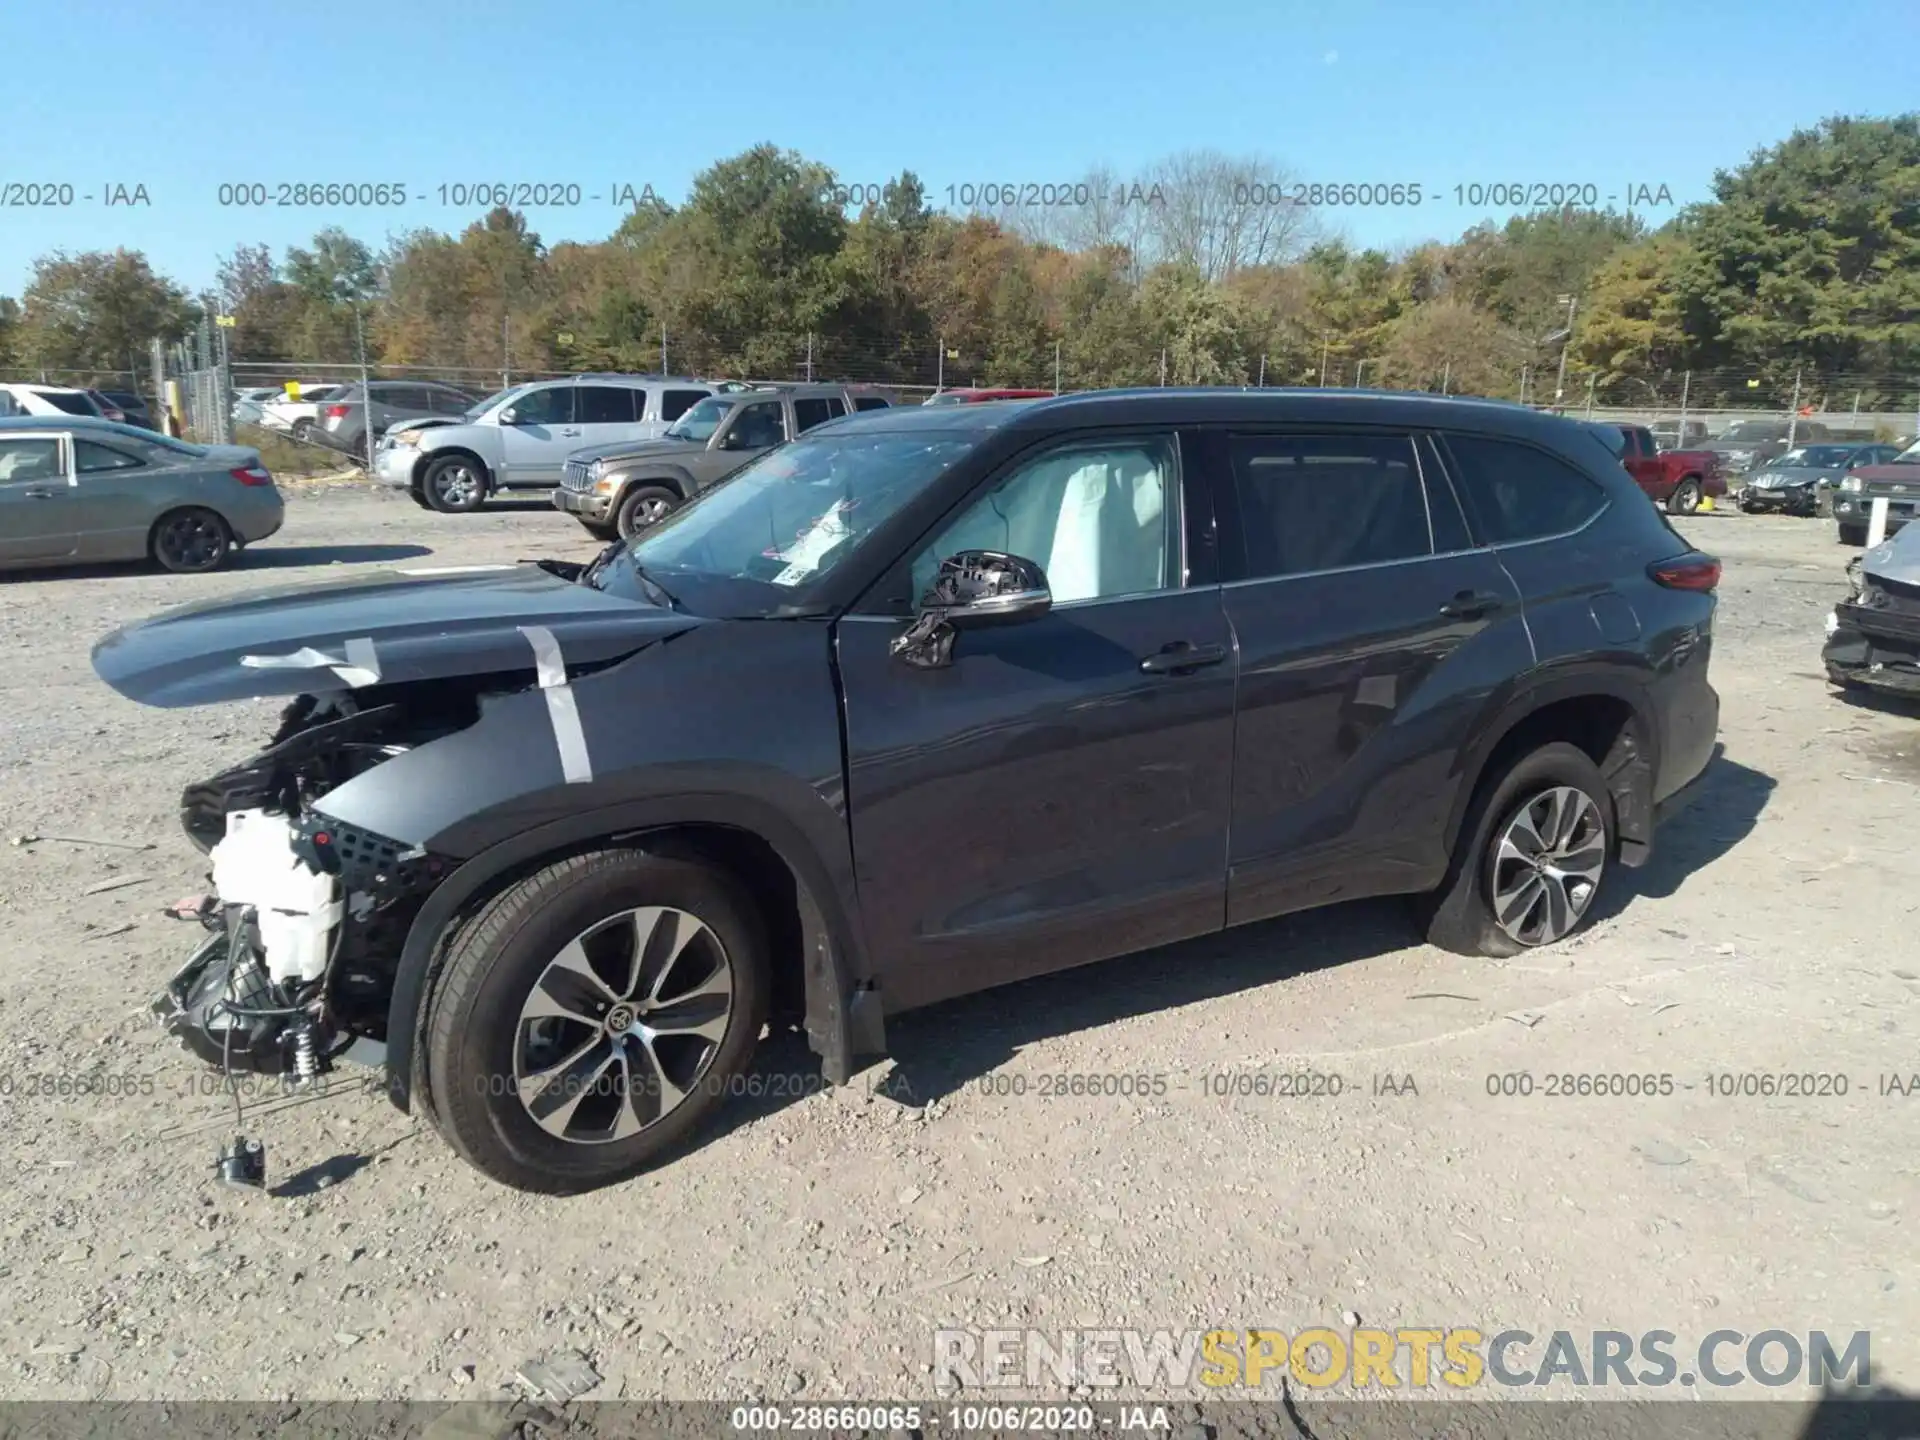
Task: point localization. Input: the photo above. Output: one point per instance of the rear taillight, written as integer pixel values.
(336, 412)
(1686, 572)
(252, 475)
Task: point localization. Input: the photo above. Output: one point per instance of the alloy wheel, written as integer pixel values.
(1547, 865)
(194, 540)
(457, 485)
(622, 1025)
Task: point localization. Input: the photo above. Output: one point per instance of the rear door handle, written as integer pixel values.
(1182, 656)
(1472, 604)
(38, 492)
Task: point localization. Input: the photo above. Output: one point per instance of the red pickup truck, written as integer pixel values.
(1677, 479)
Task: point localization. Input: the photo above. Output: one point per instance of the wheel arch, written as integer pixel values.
(1604, 713)
(675, 479)
(819, 964)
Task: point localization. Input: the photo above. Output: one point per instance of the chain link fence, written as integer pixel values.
(206, 380)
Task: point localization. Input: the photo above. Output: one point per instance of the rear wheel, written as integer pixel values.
(642, 506)
(592, 1016)
(455, 485)
(1853, 534)
(1532, 854)
(302, 429)
(191, 541)
(1685, 499)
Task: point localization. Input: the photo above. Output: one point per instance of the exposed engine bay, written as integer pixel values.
(307, 915)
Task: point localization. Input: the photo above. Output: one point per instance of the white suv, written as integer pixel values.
(520, 438)
(46, 400)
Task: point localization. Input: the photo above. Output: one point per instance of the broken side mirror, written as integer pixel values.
(972, 590)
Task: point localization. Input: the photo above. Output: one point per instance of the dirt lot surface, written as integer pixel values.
(812, 1246)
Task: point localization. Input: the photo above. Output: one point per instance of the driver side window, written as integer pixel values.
(1101, 519)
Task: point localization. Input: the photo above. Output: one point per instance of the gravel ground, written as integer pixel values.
(813, 1246)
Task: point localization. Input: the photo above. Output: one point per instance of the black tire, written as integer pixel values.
(644, 505)
(419, 498)
(190, 541)
(455, 485)
(1685, 499)
(1852, 534)
(1458, 915)
(493, 963)
(302, 428)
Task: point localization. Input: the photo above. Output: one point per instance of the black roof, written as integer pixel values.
(1217, 405)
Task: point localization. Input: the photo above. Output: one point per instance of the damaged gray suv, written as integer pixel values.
(923, 701)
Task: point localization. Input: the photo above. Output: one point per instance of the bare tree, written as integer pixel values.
(1222, 214)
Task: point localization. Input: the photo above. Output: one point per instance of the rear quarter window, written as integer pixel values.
(1518, 492)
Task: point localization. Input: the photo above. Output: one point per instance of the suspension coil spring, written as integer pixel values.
(306, 1059)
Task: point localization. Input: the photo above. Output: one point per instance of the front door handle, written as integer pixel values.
(1181, 657)
(1472, 604)
(38, 492)
(571, 431)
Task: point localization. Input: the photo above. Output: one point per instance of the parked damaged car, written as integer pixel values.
(1873, 636)
(1803, 481)
(925, 700)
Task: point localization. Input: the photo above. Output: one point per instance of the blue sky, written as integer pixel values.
(182, 97)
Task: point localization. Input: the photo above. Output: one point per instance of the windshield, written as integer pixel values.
(475, 411)
(1815, 457)
(701, 421)
(1752, 430)
(784, 521)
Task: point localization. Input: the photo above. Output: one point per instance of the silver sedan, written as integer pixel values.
(74, 490)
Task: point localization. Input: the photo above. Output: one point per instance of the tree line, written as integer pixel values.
(1806, 260)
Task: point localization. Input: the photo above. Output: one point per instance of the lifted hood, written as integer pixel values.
(639, 449)
(1897, 559)
(387, 629)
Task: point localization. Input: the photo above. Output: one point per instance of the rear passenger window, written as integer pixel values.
(90, 458)
(605, 404)
(809, 413)
(869, 402)
(836, 407)
(1327, 502)
(1519, 493)
(675, 403)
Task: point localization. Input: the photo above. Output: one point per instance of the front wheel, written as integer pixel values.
(592, 1016)
(1532, 854)
(455, 485)
(191, 541)
(642, 506)
(1685, 499)
(303, 430)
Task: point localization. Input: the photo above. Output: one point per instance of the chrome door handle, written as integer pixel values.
(38, 492)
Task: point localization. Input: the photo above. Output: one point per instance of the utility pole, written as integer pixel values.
(1359, 371)
(940, 367)
(1524, 370)
(1560, 385)
(1680, 435)
(1446, 377)
(1793, 408)
(1163, 365)
(366, 385)
(809, 357)
(506, 351)
(663, 347)
(1263, 373)
(1056, 367)
(1592, 378)
(1325, 340)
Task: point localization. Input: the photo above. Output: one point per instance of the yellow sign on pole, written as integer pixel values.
(293, 390)
(565, 337)
(225, 322)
